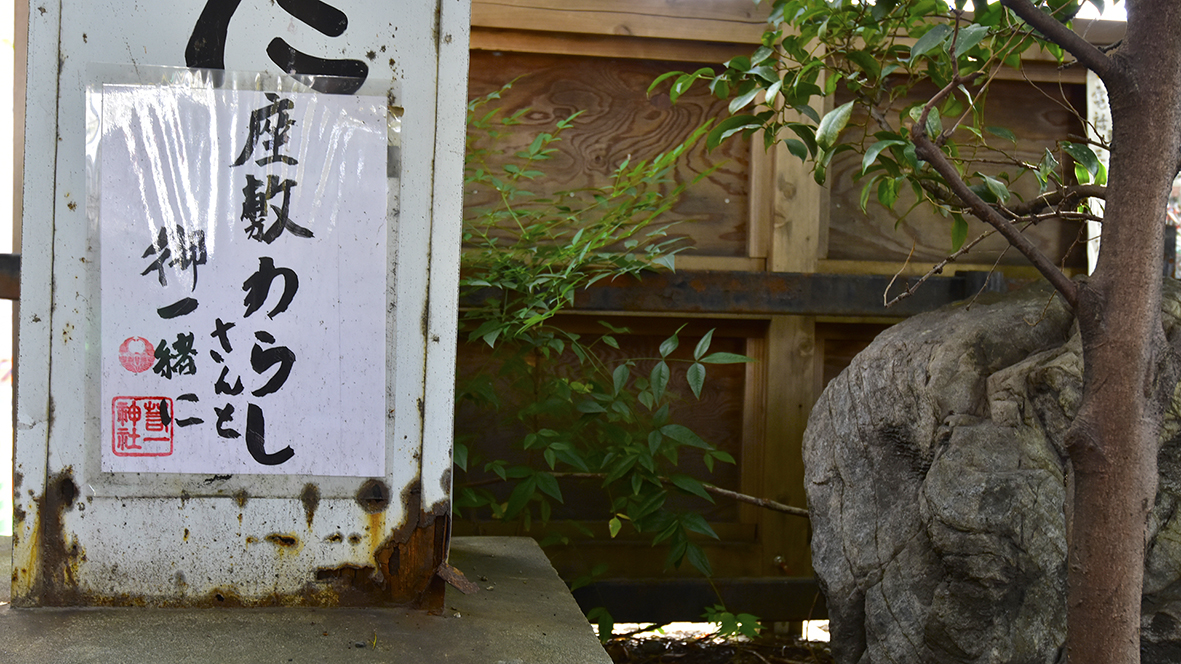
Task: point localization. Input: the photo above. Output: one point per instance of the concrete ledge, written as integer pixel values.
(523, 614)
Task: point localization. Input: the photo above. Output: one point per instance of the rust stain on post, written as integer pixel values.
(280, 539)
(55, 561)
(410, 558)
(310, 497)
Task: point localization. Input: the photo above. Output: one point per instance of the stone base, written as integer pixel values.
(522, 613)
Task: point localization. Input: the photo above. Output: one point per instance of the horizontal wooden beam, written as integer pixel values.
(740, 21)
(10, 276)
(785, 599)
(605, 46)
(771, 294)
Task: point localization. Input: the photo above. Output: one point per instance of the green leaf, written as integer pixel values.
(703, 345)
(549, 486)
(871, 155)
(888, 192)
(723, 456)
(660, 417)
(660, 79)
(459, 456)
(1047, 167)
(696, 378)
(619, 377)
(1002, 132)
(669, 345)
(725, 358)
(590, 406)
(730, 126)
(601, 617)
(742, 101)
(659, 380)
(867, 62)
(654, 441)
(931, 40)
(934, 123)
(997, 188)
(698, 559)
(520, 497)
(614, 526)
(796, 148)
(683, 435)
(696, 523)
(832, 124)
(959, 231)
(1084, 155)
(690, 485)
(969, 37)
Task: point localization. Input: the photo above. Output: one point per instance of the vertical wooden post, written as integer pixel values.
(798, 220)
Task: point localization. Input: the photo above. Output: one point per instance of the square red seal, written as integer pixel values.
(141, 426)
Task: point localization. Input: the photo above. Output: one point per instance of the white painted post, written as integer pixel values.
(99, 520)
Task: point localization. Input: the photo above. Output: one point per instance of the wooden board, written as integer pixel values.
(620, 120)
(606, 46)
(710, 20)
(1038, 116)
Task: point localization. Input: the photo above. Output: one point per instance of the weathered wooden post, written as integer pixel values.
(237, 320)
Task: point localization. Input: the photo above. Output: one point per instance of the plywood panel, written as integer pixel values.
(1037, 116)
(621, 120)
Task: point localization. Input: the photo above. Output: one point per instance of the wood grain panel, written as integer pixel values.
(619, 121)
(710, 20)
(1036, 115)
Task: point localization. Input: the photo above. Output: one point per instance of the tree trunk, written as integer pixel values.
(1129, 367)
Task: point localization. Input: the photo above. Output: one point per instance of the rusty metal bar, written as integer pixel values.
(770, 293)
(10, 276)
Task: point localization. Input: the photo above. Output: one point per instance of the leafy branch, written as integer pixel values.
(574, 407)
(871, 57)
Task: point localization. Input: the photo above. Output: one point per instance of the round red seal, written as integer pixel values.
(137, 354)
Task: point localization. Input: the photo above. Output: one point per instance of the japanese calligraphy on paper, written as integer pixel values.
(243, 261)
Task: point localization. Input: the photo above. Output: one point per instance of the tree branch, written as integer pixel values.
(759, 502)
(1066, 195)
(717, 491)
(1089, 55)
(926, 150)
(936, 269)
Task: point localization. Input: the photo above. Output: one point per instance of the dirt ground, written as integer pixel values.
(771, 649)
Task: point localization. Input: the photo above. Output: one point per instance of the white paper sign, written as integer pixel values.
(244, 267)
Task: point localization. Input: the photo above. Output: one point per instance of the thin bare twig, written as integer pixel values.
(896, 274)
(765, 503)
(991, 272)
(936, 269)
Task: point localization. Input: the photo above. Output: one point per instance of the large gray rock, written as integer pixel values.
(935, 472)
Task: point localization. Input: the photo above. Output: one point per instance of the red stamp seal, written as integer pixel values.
(137, 354)
(141, 426)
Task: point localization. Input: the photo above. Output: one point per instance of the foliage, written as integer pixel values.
(583, 416)
(869, 57)
(877, 55)
(730, 625)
